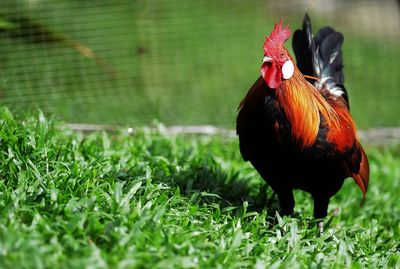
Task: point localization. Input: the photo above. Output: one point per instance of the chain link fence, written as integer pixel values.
(180, 62)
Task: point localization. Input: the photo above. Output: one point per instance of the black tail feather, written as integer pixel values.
(321, 56)
(302, 47)
(331, 56)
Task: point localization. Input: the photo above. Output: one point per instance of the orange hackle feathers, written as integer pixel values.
(303, 104)
(311, 77)
(345, 136)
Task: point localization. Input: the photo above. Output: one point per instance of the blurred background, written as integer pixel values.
(130, 62)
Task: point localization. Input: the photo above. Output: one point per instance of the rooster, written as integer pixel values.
(294, 124)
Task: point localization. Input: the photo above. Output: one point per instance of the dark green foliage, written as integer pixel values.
(152, 201)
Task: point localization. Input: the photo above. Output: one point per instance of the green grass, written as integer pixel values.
(178, 62)
(147, 200)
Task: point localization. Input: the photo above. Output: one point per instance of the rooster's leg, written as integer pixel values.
(286, 201)
(320, 206)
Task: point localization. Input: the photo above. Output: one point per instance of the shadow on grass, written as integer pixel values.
(214, 185)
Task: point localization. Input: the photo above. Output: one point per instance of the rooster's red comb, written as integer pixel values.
(277, 37)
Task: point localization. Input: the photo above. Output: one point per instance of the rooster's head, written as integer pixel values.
(277, 64)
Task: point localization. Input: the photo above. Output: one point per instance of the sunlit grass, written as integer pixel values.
(150, 201)
(176, 61)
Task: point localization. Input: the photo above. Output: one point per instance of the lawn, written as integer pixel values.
(146, 200)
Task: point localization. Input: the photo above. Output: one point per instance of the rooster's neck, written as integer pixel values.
(303, 104)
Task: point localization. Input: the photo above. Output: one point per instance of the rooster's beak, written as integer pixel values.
(267, 59)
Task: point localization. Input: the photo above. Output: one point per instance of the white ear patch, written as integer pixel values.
(287, 69)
